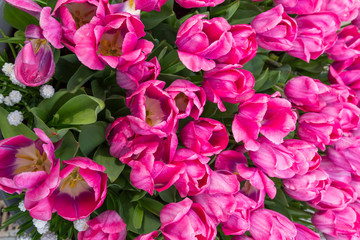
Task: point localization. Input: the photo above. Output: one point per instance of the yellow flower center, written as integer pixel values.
(74, 183)
(29, 159)
(82, 13)
(110, 44)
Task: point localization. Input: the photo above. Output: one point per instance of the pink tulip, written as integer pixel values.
(346, 10)
(148, 6)
(306, 93)
(274, 160)
(203, 43)
(307, 187)
(115, 42)
(319, 129)
(106, 226)
(301, 6)
(271, 225)
(30, 165)
(228, 83)
(269, 115)
(196, 176)
(143, 71)
(186, 220)
(337, 196)
(316, 34)
(153, 110)
(340, 223)
(82, 189)
(347, 46)
(275, 30)
(340, 93)
(205, 136)
(149, 236)
(198, 3)
(335, 172)
(189, 98)
(344, 153)
(304, 233)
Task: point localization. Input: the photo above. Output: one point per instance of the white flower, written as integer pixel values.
(8, 102)
(41, 226)
(47, 91)
(24, 236)
(129, 6)
(15, 118)
(8, 68)
(49, 236)
(15, 96)
(21, 206)
(81, 225)
(1, 98)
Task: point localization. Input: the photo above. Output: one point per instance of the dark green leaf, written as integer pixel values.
(225, 11)
(113, 166)
(138, 196)
(138, 216)
(68, 148)
(152, 205)
(261, 80)
(255, 65)
(169, 195)
(91, 136)
(272, 79)
(153, 18)
(17, 18)
(80, 77)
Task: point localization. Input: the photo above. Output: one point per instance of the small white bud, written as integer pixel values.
(8, 101)
(49, 236)
(47, 91)
(41, 226)
(1, 98)
(15, 118)
(21, 206)
(81, 225)
(8, 68)
(15, 96)
(15, 81)
(24, 236)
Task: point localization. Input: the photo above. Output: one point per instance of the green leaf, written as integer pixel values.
(138, 216)
(17, 40)
(79, 110)
(152, 205)
(113, 166)
(66, 67)
(272, 79)
(255, 65)
(153, 18)
(17, 18)
(68, 148)
(8, 130)
(170, 195)
(80, 77)
(91, 136)
(138, 196)
(245, 13)
(260, 81)
(225, 11)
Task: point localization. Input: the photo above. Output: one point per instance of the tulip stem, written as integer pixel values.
(10, 45)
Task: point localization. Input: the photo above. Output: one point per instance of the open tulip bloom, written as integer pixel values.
(181, 119)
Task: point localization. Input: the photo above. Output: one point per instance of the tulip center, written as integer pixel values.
(154, 114)
(181, 101)
(37, 43)
(132, 3)
(74, 183)
(111, 43)
(29, 159)
(82, 13)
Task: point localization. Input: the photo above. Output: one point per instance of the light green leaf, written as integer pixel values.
(138, 216)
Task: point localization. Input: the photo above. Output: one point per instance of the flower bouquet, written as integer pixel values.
(193, 119)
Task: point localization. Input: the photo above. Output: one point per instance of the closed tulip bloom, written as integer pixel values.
(346, 10)
(186, 220)
(301, 6)
(307, 187)
(275, 30)
(304, 233)
(205, 136)
(228, 83)
(82, 189)
(198, 3)
(271, 225)
(106, 226)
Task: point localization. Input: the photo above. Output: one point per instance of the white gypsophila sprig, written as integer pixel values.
(1, 98)
(8, 102)
(21, 206)
(8, 69)
(15, 96)
(81, 225)
(15, 81)
(15, 118)
(41, 226)
(49, 236)
(24, 236)
(47, 91)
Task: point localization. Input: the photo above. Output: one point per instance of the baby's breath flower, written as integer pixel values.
(24, 236)
(81, 225)
(21, 206)
(41, 226)
(15, 118)
(49, 236)
(8, 69)
(8, 101)
(15, 96)
(15, 81)
(47, 91)
(1, 98)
